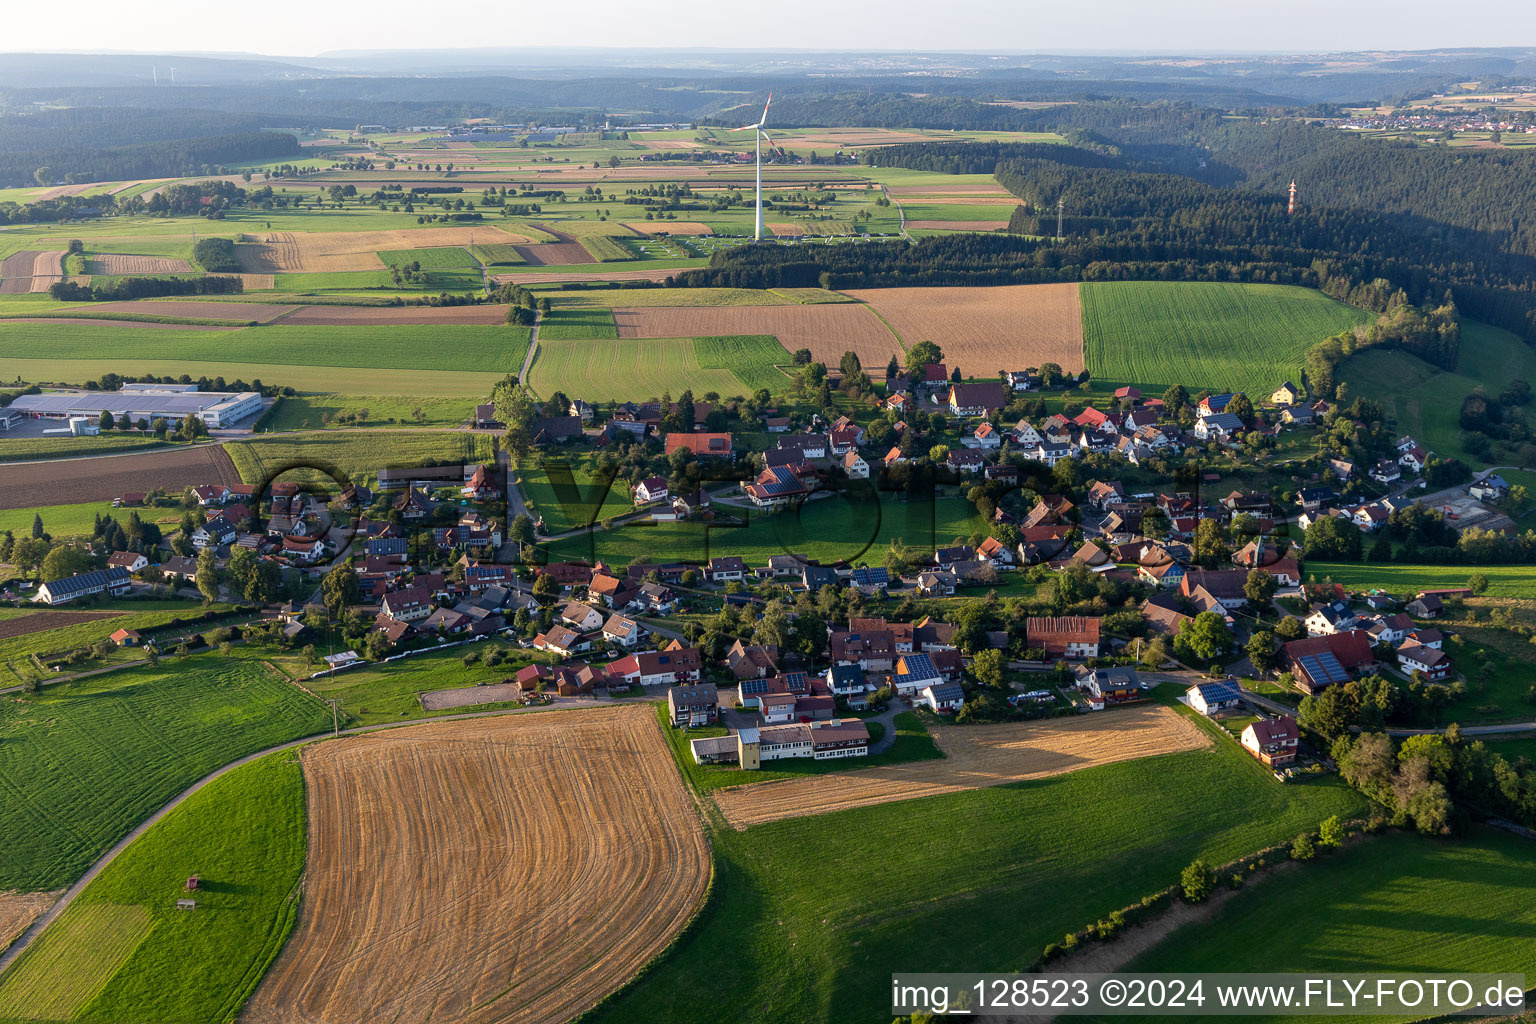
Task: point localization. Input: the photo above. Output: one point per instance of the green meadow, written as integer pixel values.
(358, 455)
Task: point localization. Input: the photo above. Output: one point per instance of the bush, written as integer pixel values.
(1302, 848)
(1197, 881)
(216, 255)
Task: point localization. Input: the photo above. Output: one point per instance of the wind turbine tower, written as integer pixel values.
(761, 137)
(1061, 203)
(155, 73)
(173, 76)
(1290, 208)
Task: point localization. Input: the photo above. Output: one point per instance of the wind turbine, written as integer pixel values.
(173, 76)
(762, 135)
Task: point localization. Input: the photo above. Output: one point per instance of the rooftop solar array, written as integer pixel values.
(1324, 668)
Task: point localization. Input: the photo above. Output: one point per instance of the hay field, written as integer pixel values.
(19, 909)
(984, 330)
(111, 931)
(608, 370)
(975, 756)
(118, 263)
(828, 330)
(276, 252)
(512, 869)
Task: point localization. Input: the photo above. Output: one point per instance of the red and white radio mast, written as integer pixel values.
(1290, 208)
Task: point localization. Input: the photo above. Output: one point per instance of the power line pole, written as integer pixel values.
(335, 703)
(1061, 202)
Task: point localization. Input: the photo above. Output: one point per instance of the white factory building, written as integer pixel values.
(143, 401)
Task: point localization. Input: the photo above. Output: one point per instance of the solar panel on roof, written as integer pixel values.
(1324, 668)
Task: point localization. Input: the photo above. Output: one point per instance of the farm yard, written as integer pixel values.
(540, 813)
(108, 956)
(640, 368)
(1225, 337)
(974, 755)
(67, 796)
(986, 330)
(74, 481)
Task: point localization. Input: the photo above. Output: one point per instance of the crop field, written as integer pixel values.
(828, 329)
(470, 871)
(563, 512)
(1424, 400)
(484, 314)
(278, 252)
(441, 383)
(564, 250)
(1095, 840)
(1407, 580)
(319, 411)
(566, 322)
(16, 449)
(75, 481)
(605, 249)
(492, 349)
(1225, 337)
(67, 795)
(501, 254)
(122, 263)
(828, 530)
(120, 951)
(189, 309)
(974, 755)
(601, 371)
(985, 330)
(1396, 903)
(754, 359)
(448, 257)
(357, 455)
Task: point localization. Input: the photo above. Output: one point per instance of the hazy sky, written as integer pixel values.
(307, 27)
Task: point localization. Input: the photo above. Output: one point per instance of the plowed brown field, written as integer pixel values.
(984, 330)
(563, 252)
(507, 869)
(19, 909)
(975, 756)
(114, 263)
(828, 330)
(72, 481)
(275, 252)
(41, 622)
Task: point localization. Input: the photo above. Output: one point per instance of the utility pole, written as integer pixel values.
(1061, 202)
(335, 703)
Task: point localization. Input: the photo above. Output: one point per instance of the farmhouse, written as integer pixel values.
(913, 672)
(691, 704)
(1071, 636)
(976, 398)
(942, 697)
(1433, 663)
(651, 489)
(1320, 662)
(132, 561)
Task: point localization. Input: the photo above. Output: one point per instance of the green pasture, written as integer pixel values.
(75, 520)
(1029, 863)
(625, 369)
(565, 323)
(754, 358)
(123, 951)
(1405, 581)
(21, 449)
(359, 455)
(324, 410)
(340, 379)
(591, 503)
(135, 614)
(83, 762)
(1220, 336)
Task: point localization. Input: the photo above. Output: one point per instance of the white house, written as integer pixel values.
(855, 466)
(580, 616)
(622, 631)
(649, 490)
(942, 697)
(1209, 698)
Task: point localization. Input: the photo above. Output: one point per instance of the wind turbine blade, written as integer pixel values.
(746, 128)
(765, 108)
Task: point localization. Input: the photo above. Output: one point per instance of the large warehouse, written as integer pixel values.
(144, 401)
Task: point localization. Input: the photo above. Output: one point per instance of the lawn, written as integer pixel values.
(358, 456)
(1397, 903)
(123, 951)
(16, 449)
(809, 917)
(70, 520)
(496, 349)
(1407, 580)
(1426, 401)
(568, 322)
(566, 510)
(913, 743)
(827, 529)
(83, 762)
(315, 411)
(1225, 337)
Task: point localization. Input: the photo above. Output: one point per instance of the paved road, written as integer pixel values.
(95, 869)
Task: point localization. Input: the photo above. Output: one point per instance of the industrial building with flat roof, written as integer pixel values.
(144, 401)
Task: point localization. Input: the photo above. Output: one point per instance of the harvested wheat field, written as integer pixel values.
(19, 909)
(345, 316)
(828, 329)
(73, 481)
(47, 268)
(16, 272)
(282, 252)
(670, 227)
(115, 263)
(256, 282)
(975, 756)
(517, 868)
(956, 225)
(984, 330)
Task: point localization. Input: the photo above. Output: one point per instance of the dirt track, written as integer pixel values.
(976, 756)
(505, 869)
(71, 481)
